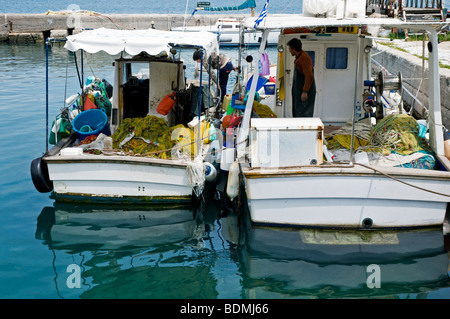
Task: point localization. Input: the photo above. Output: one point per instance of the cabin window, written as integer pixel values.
(226, 26)
(337, 58)
(312, 54)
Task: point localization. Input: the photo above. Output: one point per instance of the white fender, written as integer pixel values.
(233, 180)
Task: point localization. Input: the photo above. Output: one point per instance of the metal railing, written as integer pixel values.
(395, 4)
(388, 6)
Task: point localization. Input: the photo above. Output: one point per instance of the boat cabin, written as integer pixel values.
(142, 82)
(348, 89)
(335, 56)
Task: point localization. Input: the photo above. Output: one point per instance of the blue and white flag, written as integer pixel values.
(262, 15)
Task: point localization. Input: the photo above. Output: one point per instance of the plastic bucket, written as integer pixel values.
(91, 122)
(269, 89)
(422, 128)
(259, 85)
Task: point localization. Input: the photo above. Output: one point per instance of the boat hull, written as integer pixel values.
(346, 197)
(125, 179)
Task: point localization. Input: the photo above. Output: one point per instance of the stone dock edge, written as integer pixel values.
(26, 28)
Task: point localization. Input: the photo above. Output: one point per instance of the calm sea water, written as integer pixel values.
(152, 6)
(128, 6)
(129, 252)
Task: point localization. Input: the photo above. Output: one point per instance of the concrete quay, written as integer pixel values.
(32, 28)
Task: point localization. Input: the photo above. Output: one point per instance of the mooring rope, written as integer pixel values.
(403, 182)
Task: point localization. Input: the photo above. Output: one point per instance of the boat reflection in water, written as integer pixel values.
(133, 253)
(175, 253)
(320, 263)
(113, 229)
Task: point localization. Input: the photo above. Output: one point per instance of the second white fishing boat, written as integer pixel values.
(287, 177)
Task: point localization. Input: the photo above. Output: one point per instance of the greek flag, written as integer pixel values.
(262, 15)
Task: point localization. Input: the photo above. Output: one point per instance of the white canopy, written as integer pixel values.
(134, 42)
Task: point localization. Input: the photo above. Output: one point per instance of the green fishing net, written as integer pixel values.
(149, 136)
(398, 133)
(394, 134)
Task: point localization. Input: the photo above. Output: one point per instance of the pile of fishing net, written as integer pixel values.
(394, 141)
(342, 137)
(398, 133)
(151, 136)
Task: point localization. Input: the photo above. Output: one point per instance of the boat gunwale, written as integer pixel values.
(120, 159)
(343, 169)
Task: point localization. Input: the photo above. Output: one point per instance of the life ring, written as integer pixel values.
(40, 177)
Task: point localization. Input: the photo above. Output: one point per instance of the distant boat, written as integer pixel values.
(229, 29)
(228, 32)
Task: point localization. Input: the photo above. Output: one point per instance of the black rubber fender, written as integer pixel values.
(40, 177)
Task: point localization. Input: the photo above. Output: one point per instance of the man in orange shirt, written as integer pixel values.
(304, 86)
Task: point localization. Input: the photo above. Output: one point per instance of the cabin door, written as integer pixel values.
(338, 82)
(315, 51)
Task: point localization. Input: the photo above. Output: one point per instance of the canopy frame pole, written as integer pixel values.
(355, 98)
(46, 94)
(200, 104)
(209, 86)
(245, 125)
(82, 69)
(78, 71)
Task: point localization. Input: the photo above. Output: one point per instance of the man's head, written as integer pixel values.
(197, 56)
(295, 46)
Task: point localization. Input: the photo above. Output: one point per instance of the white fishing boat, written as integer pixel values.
(229, 32)
(146, 73)
(289, 177)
